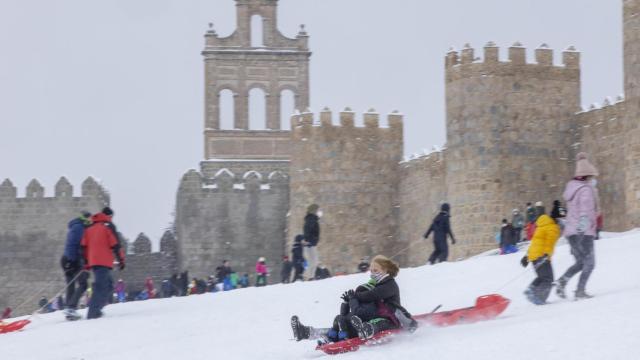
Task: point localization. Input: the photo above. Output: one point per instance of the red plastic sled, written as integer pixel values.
(486, 307)
(13, 326)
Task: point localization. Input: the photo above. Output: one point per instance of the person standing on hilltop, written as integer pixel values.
(101, 247)
(311, 231)
(581, 198)
(73, 266)
(441, 228)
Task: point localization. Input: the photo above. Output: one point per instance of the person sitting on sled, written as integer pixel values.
(382, 293)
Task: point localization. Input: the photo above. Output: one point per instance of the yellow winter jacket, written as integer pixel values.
(544, 238)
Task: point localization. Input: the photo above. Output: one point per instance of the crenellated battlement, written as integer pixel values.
(226, 181)
(464, 63)
(62, 190)
(304, 124)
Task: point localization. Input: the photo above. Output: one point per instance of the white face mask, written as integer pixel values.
(320, 213)
(593, 182)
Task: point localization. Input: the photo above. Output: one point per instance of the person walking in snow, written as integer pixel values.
(389, 313)
(517, 221)
(297, 258)
(441, 228)
(72, 264)
(261, 272)
(285, 273)
(311, 232)
(581, 197)
(101, 247)
(539, 254)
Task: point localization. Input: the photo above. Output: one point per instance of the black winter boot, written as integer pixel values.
(300, 332)
(560, 285)
(365, 330)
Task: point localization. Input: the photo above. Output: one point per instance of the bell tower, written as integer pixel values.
(238, 63)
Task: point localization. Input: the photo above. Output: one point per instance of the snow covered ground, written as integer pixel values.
(253, 323)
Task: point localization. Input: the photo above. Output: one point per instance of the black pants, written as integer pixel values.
(299, 270)
(440, 253)
(541, 285)
(77, 281)
(102, 291)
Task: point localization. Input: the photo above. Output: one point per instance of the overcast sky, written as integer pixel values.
(114, 88)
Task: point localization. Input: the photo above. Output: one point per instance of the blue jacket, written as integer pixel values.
(74, 236)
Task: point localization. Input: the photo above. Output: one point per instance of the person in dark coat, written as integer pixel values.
(517, 221)
(441, 228)
(507, 238)
(363, 266)
(223, 271)
(311, 232)
(322, 272)
(385, 294)
(73, 266)
(297, 258)
(287, 267)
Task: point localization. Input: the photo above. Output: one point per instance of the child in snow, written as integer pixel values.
(384, 294)
(261, 272)
(507, 238)
(539, 254)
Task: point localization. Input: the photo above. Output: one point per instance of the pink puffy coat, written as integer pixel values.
(581, 200)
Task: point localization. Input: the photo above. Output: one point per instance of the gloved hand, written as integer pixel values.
(524, 261)
(345, 296)
(583, 224)
(453, 241)
(121, 265)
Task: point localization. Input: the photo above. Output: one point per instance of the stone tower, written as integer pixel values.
(508, 135)
(277, 64)
(632, 94)
(353, 174)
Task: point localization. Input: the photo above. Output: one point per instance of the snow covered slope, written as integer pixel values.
(254, 323)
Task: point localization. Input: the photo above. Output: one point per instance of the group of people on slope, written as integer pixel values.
(580, 228)
(366, 310)
(375, 306)
(92, 245)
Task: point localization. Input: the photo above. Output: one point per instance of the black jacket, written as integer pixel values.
(507, 236)
(311, 229)
(296, 253)
(440, 228)
(322, 273)
(386, 291)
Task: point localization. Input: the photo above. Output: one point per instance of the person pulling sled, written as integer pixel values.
(371, 308)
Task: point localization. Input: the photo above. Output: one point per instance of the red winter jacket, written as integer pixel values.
(100, 242)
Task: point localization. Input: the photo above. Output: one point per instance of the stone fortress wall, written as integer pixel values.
(353, 174)
(228, 216)
(33, 230)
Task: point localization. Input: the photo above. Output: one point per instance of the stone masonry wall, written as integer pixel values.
(239, 218)
(508, 136)
(353, 174)
(143, 263)
(601, 133)
(422, 191)
(33, 232)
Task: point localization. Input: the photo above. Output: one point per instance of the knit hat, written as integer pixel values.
(261, 259)
(445, 207)
(313, 208)
(107, 211)
(584, 167)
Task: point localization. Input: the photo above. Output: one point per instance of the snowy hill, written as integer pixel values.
(254, 323)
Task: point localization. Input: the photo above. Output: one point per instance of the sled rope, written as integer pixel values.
(535, 267)
(52, 299)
